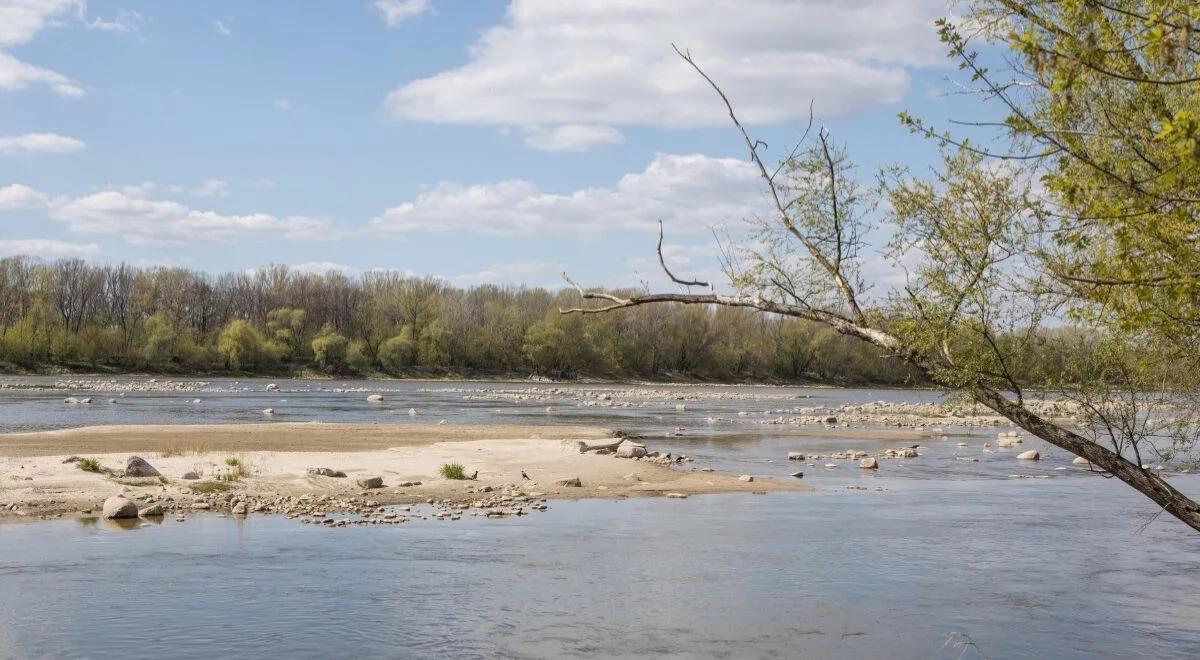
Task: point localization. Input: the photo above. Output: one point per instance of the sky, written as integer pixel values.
(479, 141)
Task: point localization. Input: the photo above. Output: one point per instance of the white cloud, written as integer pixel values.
(323, 267)
(48, 248)
(142, 221)
(395, 12)
(530, 273)
(207, 188)
(46, 143)
(282, 104)
(125, 21)
(588, 62)
(571, 137)
(16, 197)
(20, 21)
(15, 74)
(688, 192)
(221, 28)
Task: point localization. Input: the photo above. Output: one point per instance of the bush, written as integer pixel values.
(398, 352)
(231, 461)
(88, 465)
(453, 471)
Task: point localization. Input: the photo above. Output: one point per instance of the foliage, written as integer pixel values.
(453, 471)
(88, 465)
(330, 349)
(241, 346)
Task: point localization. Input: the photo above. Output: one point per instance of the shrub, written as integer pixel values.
(88, 465)
(232, 462)
(453, 471)
(398, 352)
(329, 349)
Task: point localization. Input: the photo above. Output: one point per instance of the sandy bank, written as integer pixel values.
(275, 459)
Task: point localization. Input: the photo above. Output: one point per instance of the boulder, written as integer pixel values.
(746, 477)
(239, 509)
(119, 507)
(370, 482)
(1030, 455)
(152, 511)
(869, 463)
(271, 387)
(72, 459)
(1079, 460)
(831, 420)
(630, 450)
(190, 476)
(795, 456)
(375, 398)
(798, 475)
(268, 411)
(677, 496)
(326, 472)
(573, 482)
(137, 466)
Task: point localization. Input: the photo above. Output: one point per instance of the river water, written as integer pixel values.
(928, 558)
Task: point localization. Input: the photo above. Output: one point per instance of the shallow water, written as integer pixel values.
(947, 553)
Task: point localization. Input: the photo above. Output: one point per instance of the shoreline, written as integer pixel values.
(273, 463)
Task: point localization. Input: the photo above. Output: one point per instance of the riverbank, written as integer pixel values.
(269, 468)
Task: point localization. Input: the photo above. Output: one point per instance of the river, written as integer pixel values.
(927, 558)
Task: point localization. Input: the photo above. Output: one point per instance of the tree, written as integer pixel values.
(329, 349)
(971, 287)
(241, 346)
(286, 328)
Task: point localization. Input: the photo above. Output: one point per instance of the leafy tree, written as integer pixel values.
(330, 349)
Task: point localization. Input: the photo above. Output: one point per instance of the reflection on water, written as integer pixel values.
(948, 550)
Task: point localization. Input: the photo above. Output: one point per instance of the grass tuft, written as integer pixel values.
(210, 487)
(88, 465)
(232, 462)
(453, 471)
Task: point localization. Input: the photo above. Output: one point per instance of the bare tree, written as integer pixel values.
(949, 320)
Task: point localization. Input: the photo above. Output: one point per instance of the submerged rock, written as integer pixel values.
(1079, 460)
(152, 511)
(1030, 455)
(795, 456)
(869, 463)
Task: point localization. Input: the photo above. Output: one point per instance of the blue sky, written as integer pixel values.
(477, 141)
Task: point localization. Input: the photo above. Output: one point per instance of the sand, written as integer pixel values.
(276, 457)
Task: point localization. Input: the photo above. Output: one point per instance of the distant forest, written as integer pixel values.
(73, 315)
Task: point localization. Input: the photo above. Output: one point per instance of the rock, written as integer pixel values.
(201, 506)
(152, 511)
(632, 476)
(869, 463)
(573, 482)
(375, 398)
(268, 411)
(190, 476)
(86, 399)
(1079, 460)
(677, 496)
(119, 507)
(271, 387)
(798, 475)
(72, 459)
(326, 472)
(370, 482)
(795, 456)
(745, 477)
(137, 466)
(1030, 455)
(239, 509)
(412, 412)
(831, 420)
(630, 450)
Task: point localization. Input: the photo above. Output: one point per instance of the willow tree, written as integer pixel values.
(974, 303)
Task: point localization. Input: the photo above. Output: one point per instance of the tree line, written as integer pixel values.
(73, 314)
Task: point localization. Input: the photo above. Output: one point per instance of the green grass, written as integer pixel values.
(88, 465)
(232, 462)
(210, 487)
(453, 471)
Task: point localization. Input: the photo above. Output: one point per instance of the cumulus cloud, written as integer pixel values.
(46, 143)
(48, 248)
(552, 63)
(689, 192)
(20, 21)
(395, 12)
(221, 28)
(571, 137)
(324, 267)
(143, 221)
